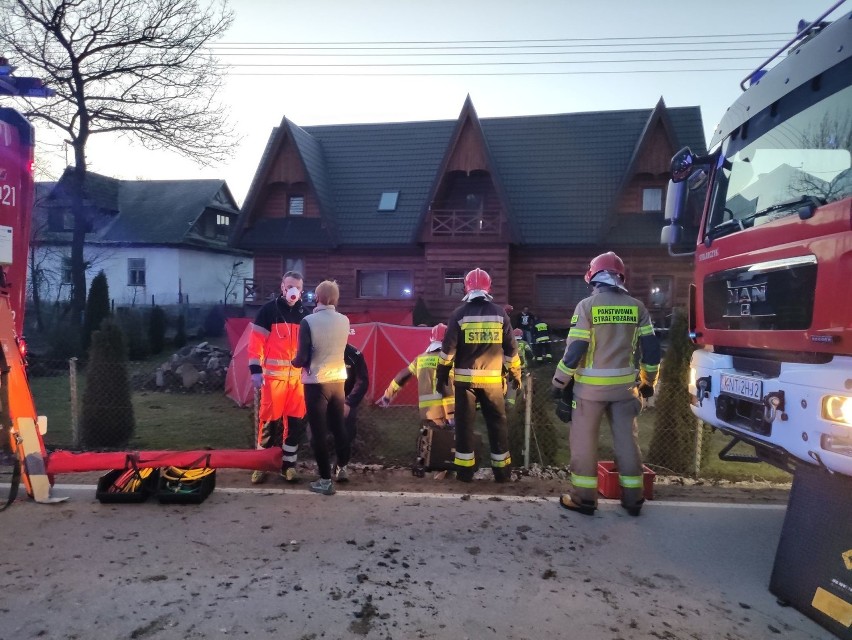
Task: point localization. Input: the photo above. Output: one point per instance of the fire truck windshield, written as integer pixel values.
(807, 156)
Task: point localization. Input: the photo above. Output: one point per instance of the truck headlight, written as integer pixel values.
(693, 375)
(837, 409)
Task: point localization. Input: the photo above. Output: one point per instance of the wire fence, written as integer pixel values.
(178, 406)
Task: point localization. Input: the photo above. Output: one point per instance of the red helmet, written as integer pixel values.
(518, 333)
(477, 280)
(605, 262)
(438, 332)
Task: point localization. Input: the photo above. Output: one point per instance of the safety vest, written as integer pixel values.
(274, 339)
(541, 332)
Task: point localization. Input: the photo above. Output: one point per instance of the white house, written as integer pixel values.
(159, 242)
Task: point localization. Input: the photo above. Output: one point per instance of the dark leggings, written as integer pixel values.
(324, 402)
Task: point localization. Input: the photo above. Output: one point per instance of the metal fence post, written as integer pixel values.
(72, 381)
(699, 432)
(527, 419)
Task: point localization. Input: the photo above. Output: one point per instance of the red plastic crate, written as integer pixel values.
(608, 485)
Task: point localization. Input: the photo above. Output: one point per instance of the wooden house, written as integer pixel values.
(396, 212)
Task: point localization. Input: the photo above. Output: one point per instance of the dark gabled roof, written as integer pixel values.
(364, 161)
(560, 174)
(145, 211)
(101, 192)
(160, 211)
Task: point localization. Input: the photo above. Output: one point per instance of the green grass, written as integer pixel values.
(163, 420)
(178, 421)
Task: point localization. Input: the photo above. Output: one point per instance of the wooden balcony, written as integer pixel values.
(466, 223)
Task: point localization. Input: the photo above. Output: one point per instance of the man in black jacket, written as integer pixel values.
(357, 383)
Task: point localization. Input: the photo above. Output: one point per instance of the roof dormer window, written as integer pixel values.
(296, 205)
(388, 201)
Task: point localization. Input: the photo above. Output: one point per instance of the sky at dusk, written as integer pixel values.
(346, 61)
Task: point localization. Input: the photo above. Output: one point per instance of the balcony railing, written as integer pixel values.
(462, 222)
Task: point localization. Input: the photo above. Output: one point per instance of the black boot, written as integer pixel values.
(586, 507)
(634, 509)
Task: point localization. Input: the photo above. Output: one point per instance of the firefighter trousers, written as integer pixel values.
(494, 411)
(583, 439)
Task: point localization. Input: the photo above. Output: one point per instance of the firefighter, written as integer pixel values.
(273, 342)
(436, 410)
(600, 357)
(525, 352)
(541, 338)
(479, 343)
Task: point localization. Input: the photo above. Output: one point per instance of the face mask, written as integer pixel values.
(292, 294)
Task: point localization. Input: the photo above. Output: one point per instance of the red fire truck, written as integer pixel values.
(771, 308)
(770, 304)
(20, 427)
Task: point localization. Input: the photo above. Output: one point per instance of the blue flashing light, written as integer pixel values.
(756, 77)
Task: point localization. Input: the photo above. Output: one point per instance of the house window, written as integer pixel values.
(68, 221)
(388, 201)
(661, 292)
(66, 271)
(395, 285)
(136, 272)
(295, 264)
(222, 220)
(296, 205)
(560, 291)
(652, 199)
(454, 284)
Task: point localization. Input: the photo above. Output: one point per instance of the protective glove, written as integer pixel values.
(556, 392)
(646, 390)
(383, 402)
(563, 411)
(257, 380)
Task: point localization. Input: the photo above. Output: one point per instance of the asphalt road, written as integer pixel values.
(288, 564)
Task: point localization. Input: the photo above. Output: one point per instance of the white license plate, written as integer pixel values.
(743, 387)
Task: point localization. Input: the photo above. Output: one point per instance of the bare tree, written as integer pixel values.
(139, 68)
(231, 280)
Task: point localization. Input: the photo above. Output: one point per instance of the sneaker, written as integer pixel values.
(290, 475)
(341, 474)
(258, 477)
(325, 487)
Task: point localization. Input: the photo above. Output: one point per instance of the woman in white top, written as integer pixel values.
(322, 343)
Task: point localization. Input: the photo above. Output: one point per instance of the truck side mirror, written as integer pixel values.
(671, 235)
(675, 200)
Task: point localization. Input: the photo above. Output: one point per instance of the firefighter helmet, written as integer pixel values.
(438, 333)
(477, 280)
(518, 333)
(606, 262)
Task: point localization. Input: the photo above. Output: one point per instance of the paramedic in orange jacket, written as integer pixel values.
(272, 345)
